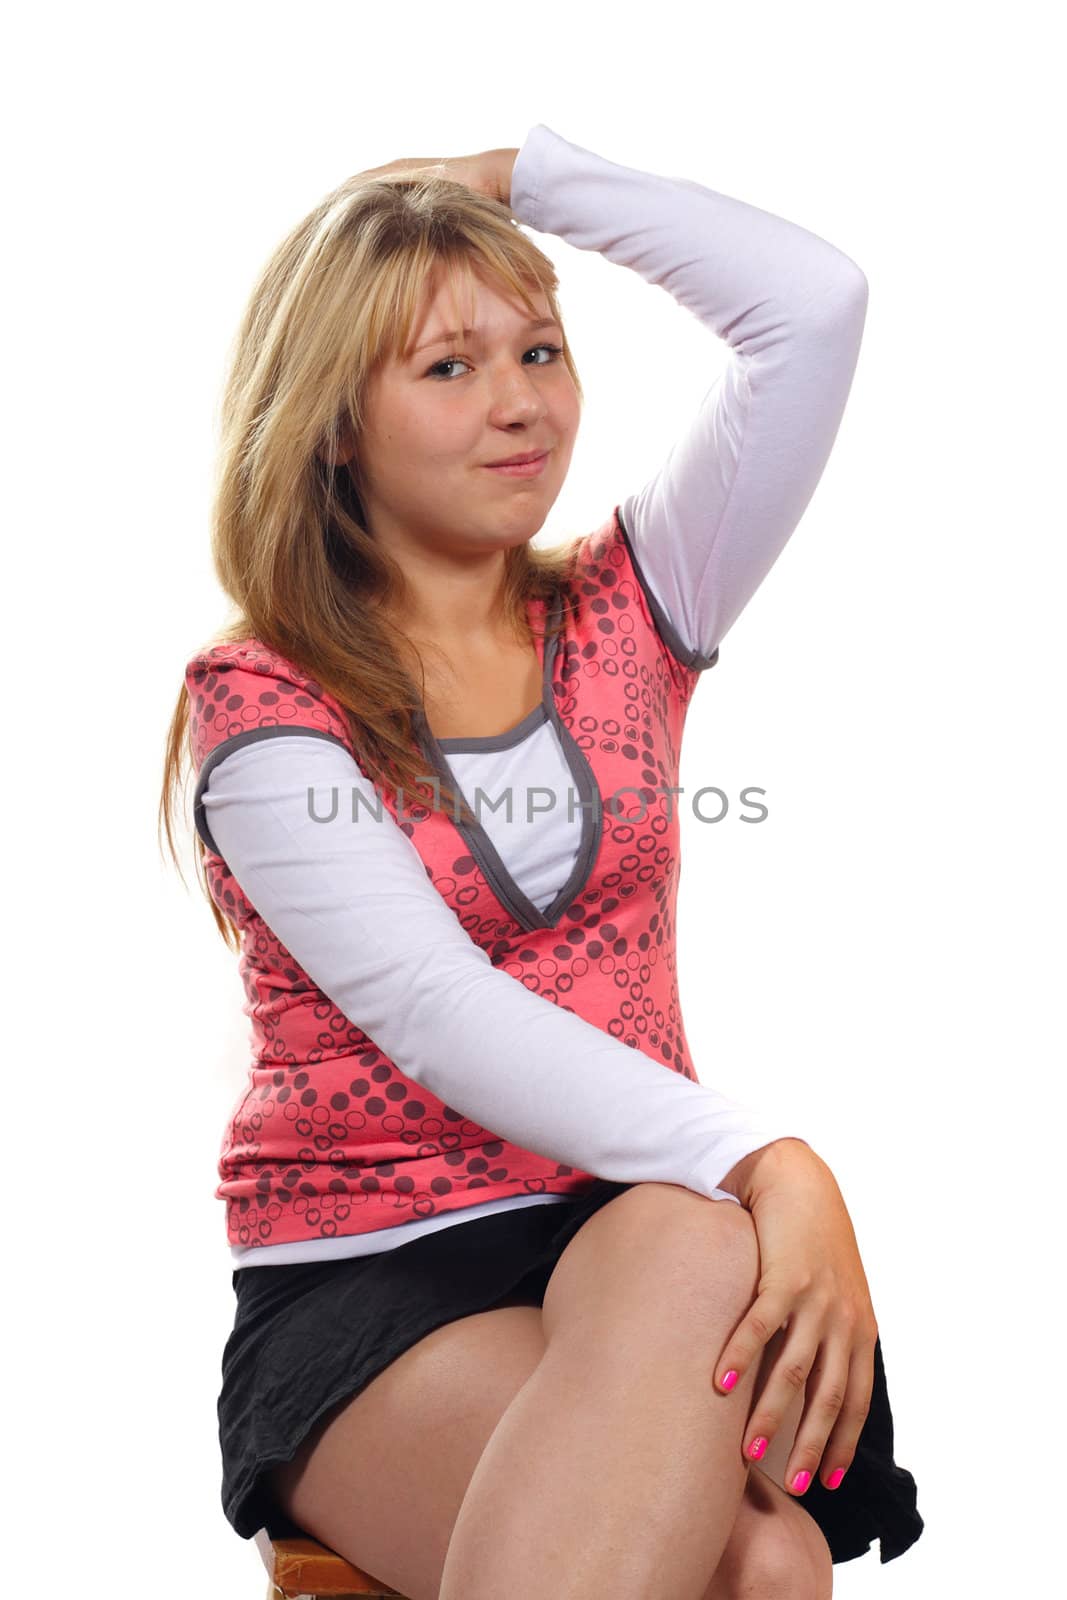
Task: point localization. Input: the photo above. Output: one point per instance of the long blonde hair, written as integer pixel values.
(338, 297)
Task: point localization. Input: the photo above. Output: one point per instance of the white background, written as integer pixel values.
(877, 962)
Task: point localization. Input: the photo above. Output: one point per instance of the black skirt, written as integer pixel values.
(308, 1335)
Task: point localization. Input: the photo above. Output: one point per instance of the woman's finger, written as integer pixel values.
(840, 1448)
(825, 1393)
(779, 1384)
(746, 1344)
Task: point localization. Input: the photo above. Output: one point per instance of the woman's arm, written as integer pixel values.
(708, 526)
(704, 531)
(352, 904)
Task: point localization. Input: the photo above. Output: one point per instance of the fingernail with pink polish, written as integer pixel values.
(729, 1379)
(835, 1478)
(801, 1481)
(756, 1448)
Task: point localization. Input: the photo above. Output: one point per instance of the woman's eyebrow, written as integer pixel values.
(476, 333)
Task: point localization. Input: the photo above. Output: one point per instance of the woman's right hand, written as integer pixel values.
(488, 172)
(812, 1275)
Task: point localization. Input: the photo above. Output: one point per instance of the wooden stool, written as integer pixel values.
(303, 1569)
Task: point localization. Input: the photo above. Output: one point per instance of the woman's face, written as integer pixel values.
(437, 417)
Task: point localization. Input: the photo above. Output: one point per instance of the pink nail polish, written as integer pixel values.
(756, 1448)
(801, 1481)
(835, 1478)
(729, 1379)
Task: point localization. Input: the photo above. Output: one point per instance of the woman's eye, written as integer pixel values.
(555, 350)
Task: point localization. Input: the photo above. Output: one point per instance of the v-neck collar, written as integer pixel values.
(480, 845)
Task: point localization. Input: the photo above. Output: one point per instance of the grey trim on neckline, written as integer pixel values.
(500, 741)
(478, 842)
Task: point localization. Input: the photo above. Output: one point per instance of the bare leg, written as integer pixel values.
(617, 1468)
(598, 1481)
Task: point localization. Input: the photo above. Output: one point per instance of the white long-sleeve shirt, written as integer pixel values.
(705, 530)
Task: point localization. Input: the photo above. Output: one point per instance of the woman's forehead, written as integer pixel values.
(468, 299)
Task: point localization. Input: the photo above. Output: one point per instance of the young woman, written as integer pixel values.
(521, 1303)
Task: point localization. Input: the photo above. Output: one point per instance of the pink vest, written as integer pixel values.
(328, 1136)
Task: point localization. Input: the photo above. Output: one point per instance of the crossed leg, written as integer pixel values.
(617, 1466)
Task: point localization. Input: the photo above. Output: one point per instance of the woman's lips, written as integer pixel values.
(525, 469)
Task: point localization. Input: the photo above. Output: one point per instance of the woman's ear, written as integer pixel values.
(343, 451)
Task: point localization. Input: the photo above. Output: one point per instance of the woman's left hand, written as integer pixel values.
(488, 172)
(810, 1272)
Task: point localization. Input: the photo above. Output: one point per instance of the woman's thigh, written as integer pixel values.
(381, 1478)
(645, 1262)
(635, 1263)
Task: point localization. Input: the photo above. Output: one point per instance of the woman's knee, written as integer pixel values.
(776, 1550)
(656, 1252)
(787, 1567)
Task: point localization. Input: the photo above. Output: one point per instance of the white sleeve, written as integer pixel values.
(708, 526)
(352, 903)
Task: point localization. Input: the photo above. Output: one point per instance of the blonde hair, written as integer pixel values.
(338, 298)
